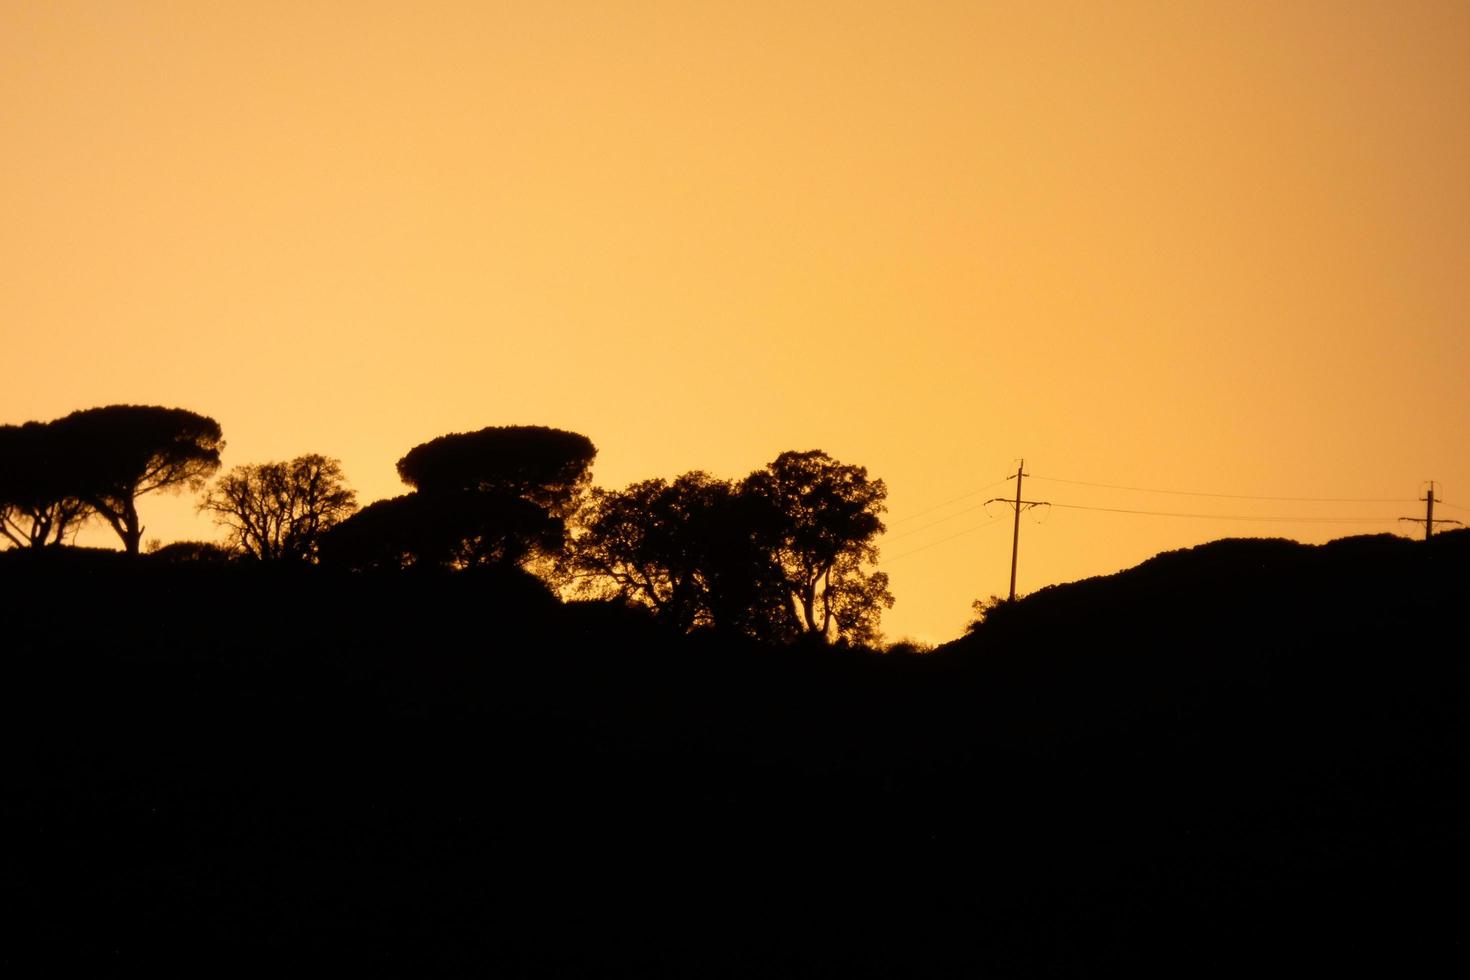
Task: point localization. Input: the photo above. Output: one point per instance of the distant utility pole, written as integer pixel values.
(1428, 519)
(1020, 505)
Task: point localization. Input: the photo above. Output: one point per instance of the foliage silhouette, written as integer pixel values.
(279, 511)
(500, 495)
(642, 544)
(122, 452)
(780, 555)
(548, 467)
(189, 552)
(687, 549)
(448, 530)
(40, 492)
(823, 519)
(990, 610)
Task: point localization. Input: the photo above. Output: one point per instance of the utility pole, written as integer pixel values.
(1020, 505)
(1428, 519)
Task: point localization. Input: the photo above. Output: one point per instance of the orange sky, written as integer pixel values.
(1209, 246)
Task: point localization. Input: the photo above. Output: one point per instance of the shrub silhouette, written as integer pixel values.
(191, 552)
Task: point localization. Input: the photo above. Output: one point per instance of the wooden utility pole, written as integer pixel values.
(1020, 505)
(1428, 519)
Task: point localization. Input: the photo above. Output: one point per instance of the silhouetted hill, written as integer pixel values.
(1243, 748)
(1241, 613)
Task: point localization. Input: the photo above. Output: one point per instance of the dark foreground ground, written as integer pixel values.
(1248, 756)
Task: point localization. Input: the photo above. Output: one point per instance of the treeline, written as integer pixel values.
(787, 552)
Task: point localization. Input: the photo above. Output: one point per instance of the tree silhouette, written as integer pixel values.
(691, 551)
(745, 583)
(548, 467)
(39, 497)
(279, 511)
(124, 451)
(821, 519)
(783, 553)
(498, 495)
(651, 544)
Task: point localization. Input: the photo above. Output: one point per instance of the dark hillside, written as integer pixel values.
(1248, 746)
(1233, 617)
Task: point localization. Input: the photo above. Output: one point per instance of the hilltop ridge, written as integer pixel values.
(1245, 743)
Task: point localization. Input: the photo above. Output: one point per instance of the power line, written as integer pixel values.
(931, 544)
(1273, 518)
(1234, 517)
(925, 527)
(946, 503)
(1228, 496)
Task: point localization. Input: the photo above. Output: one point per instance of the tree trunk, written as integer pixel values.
(809, 605)
(132, 534)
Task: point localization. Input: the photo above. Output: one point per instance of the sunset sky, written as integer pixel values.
(1210, 247)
